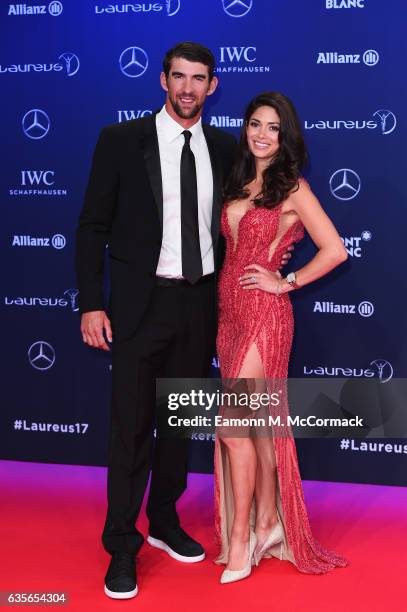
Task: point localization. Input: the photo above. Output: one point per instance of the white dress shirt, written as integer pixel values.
(170, 142)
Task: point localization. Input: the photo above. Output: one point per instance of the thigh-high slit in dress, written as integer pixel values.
(254, 316)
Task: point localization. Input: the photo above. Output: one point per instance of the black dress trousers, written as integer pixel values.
(175, 339)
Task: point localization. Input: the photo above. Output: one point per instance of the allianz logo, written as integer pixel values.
(55, 8)
(171, 6)
(344, 4)
(365, 309)
(384, 121)
(225, 121)
(58, 241)
(127, 115)
(49, 302)
(69, 64)
(381, 368)
(369, 57)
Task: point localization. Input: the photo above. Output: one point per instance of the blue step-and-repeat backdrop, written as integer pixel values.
(69, 68)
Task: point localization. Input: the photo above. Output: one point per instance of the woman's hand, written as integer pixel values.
(261, 278)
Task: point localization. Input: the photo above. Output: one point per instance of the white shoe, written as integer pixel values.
(275, 536)
(234, 575)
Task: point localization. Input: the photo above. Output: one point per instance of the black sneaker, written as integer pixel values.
(178, 544)
(120, 580)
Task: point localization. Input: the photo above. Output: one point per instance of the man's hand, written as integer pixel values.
(286, 256)
(92, 326)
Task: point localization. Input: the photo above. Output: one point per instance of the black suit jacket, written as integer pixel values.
(123, 209)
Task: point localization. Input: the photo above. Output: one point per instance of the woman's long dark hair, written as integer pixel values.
(281, 176)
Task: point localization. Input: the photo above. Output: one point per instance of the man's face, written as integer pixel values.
(187, 86)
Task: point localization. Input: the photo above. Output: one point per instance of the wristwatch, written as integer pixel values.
(291, 279)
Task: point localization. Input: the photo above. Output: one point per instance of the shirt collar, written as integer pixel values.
(171, 130)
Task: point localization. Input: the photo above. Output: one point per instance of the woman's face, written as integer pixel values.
(262, 133)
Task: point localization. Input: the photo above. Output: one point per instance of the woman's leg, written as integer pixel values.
(266, 471)
(242, 459)
(243, 463)
(265, 490)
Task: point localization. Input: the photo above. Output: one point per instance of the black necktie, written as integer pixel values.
(191, 251)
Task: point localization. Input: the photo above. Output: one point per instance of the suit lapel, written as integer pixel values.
(151, 154)
(217, 175)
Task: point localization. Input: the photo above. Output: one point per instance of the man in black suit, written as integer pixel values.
(154, 196)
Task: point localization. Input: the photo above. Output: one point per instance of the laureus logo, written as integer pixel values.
(387, 121)
(171, 7)
(384, 369)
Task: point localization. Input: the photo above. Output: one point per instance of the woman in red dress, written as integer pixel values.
(260, 509)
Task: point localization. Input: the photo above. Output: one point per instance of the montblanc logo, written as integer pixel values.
(380, 368)
(344, 4)
(364, 309)
(69, 65)
(170, 7)
(53, 8)
(222, 121)
(239, 59)
(127, 115)
(58, 241)
(384, 121)
(69, 301)
(369, 57)
(37, 183)
(354, 244)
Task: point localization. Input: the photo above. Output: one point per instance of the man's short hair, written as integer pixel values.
(193, 52)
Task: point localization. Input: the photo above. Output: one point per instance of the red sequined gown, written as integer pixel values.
(247, 316)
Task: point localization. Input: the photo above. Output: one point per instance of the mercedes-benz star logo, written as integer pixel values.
(36, 124)
(345, 184)
(133, 62)
(387, 120)
(41, 355)
(384, 369)
(173, 7)
(72, 63)
(237, 8)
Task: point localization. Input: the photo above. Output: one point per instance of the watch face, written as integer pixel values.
(291, 277)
